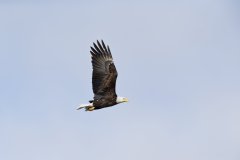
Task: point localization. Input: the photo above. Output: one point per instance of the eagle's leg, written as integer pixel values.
(89, 108)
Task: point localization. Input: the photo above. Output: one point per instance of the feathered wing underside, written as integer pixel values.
(104, 71)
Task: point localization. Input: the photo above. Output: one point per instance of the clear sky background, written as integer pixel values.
(178, 63)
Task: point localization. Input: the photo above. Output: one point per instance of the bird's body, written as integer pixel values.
(104, 78)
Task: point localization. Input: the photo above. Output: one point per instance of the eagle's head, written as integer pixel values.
(121, 99)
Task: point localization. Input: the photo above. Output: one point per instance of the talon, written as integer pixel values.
(90, 108)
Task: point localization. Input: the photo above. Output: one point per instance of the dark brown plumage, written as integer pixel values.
(104, 78)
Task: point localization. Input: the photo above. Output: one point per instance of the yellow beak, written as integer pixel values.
(125, 100)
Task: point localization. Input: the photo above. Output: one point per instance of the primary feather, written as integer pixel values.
(104, 74)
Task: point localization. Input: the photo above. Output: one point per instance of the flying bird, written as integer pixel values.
(104, 78)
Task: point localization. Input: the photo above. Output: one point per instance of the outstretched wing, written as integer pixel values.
(104, 71)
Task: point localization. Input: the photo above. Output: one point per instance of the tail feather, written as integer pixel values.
(86, 106)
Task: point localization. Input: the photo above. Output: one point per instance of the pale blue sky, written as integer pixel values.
(178, 63)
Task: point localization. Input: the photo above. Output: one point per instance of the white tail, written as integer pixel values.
(86, 106)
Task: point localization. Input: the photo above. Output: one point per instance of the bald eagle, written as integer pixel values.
(104, 78)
